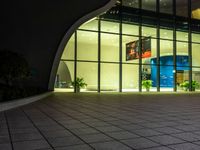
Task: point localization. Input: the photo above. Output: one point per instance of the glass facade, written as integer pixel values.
(130, 43)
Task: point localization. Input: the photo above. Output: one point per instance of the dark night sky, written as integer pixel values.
(34, 28)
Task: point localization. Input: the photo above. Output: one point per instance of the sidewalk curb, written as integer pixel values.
(20, 102)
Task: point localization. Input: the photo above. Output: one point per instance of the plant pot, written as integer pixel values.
(185, 89)
(77, 89)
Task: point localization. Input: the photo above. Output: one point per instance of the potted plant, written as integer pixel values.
(195, 85)
(185, 85)
(78, 84)
(147, 84)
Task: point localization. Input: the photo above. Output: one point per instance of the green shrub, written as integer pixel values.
(147, 84)
(186, 85)
(14, 69)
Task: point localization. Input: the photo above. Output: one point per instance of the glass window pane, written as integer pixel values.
(149, 5)
(196, 76)
(166, 6)
(195, 37)
(166, 34)
(182, 63)
(87, 45)
(166, 47)
(89, 72)
(195, 9)
(181, 36)
(153, 48)
(153, 73)
(149, 72)
(130, 29)
(196, 54)
(130, 3)
(68, 52)
(148, 31)
(127, 54)
(109, 47)
(130, 77)
(65, 75)
(107, 26)
(166, 73)
(90, 25)
(130, 17)
(182, 8)
(109, 77)
(166, 65)
(149, 50)
(182, 48)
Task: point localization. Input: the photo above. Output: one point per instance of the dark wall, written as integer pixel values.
(34, 28)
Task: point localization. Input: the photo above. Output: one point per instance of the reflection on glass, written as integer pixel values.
(166, 6)
(182, 8)
(131, 3)
(149, 5)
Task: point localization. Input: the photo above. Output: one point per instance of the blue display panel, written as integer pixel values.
(166, 69)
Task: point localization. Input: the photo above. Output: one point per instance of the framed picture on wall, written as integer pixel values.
(132, 49)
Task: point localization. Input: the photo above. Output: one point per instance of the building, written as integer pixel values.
(39, 30)
(36, 29)
(136, 40)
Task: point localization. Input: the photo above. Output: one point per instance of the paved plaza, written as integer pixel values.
(108, 121)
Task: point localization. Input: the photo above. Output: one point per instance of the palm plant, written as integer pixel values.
(78, 84)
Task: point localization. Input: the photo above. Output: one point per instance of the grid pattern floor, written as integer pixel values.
(110, 121)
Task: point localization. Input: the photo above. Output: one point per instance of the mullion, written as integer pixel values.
(158, 44)
(140, 47)
(120, 51)
(174, 48)
(99, 55)
(75, 60)
(190, 45)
